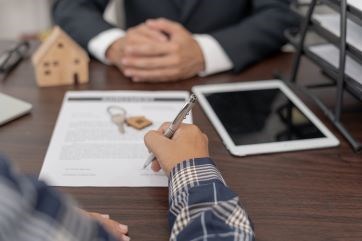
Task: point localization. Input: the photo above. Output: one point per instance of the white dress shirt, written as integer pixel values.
(216, 60)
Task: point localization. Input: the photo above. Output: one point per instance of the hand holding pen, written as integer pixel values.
(167, 131)
(170, 131)
(188, 142)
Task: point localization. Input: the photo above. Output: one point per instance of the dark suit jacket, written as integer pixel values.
(248, 30)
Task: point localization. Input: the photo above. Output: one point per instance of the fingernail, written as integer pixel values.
(105, 216)
(123, 228)
(125, 238)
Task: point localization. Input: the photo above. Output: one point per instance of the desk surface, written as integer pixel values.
(306, 195)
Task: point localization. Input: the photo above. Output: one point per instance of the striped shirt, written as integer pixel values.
(202, 207)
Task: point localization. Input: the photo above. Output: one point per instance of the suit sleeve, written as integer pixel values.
(259, 35)
(31, 210)
(81, 19)
(202, 207)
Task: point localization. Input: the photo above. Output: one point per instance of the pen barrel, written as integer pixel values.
(169, 132)
(149, 160)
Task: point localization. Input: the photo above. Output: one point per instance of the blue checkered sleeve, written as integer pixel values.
(202, 207)
(32, 211)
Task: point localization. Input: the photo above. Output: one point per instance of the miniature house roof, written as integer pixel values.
(56, 34)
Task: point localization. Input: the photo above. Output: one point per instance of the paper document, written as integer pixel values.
(331, 22)
(330, 54)
(356, 4)
(88, 149)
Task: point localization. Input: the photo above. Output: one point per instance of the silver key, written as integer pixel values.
(119, 120)
(118, 117)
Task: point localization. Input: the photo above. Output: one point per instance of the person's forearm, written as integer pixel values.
(31, 210)
(81, 19)
(202, 207)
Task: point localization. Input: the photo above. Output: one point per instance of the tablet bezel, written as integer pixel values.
(242, 150)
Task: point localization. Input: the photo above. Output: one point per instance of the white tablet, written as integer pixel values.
(262, 117)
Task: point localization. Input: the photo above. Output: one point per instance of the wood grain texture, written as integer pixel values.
(306, 196)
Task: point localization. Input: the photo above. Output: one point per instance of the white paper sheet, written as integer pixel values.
(331, 22)
(355, 3)
(87, 149)
(330, 53)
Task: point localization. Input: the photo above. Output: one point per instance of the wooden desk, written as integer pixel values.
(307, 195)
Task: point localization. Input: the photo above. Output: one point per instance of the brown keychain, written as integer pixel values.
(138, 122)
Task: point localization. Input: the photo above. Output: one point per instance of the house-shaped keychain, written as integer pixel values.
(60, 61)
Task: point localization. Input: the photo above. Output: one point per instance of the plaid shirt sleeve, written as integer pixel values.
(32, 211)
(202, 207)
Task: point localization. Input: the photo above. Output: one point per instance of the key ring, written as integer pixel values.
(116, 110)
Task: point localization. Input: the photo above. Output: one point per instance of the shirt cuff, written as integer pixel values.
(191, 173)
(99, 44)
(216, 60)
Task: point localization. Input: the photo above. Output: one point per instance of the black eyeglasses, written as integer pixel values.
(11, 58)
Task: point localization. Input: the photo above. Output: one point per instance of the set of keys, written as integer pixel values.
(119, 118)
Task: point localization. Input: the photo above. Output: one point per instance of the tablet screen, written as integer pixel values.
(261, 116)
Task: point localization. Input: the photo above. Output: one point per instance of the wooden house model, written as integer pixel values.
(60, 61)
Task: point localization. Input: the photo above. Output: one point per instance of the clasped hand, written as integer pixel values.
(157, 50)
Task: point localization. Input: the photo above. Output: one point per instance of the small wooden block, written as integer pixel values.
(138, 122)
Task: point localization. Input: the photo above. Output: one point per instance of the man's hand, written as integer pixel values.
(118, 230)
(139, 35)
(178, 58)
(188, 142)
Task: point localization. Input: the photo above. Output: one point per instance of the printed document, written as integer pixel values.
(330, 54)
(355, 3)
(87, 148)
(331, 22)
